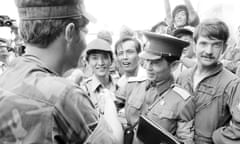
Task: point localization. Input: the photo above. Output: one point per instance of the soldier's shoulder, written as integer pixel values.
(228, 75)
(57, 86)
(183, 93)
(55, 81)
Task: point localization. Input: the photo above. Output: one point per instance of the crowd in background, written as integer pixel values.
(187, 18)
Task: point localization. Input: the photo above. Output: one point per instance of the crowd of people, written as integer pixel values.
(182, 75)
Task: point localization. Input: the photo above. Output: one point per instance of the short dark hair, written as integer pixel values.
(178, 9)
(124, 39)
(154, 28)
(212, 28)
(44, 32)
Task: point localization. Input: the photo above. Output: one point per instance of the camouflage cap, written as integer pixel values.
(51, 9)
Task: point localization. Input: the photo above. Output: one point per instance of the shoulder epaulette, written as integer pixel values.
(182, 92)
(137, 79)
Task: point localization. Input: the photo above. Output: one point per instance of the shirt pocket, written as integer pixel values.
(163, 114)
(207, 94)
(137, 98)
(136, 102)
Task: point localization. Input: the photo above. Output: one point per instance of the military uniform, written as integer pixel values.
(161, 103)
(37, 106)
(215, 102)
(94, 87)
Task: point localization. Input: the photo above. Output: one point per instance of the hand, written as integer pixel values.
(76, 76)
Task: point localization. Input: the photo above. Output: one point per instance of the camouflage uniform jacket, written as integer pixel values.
(215, 106)
(37, 106)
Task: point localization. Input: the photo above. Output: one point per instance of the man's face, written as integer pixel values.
(77, 45)
(208, 51)
(157, 70)
(100, 63)
(128, 56)
(180, 19)
(188, 51)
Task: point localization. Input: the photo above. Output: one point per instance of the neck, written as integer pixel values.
(51, 57)
(205, 70)
(105, 80)
(132, 73)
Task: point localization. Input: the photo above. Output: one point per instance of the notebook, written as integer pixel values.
(150, 132)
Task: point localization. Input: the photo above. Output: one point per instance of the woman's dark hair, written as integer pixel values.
(179, 8)
(124, 39)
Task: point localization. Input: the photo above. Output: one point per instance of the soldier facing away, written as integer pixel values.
(37, 105)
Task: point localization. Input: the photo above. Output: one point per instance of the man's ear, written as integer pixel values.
(69, 32)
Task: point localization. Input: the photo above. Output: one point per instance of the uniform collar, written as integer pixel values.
(161, 86)
(218, 68)
(39, 63)
(141, 75)
(96, 84)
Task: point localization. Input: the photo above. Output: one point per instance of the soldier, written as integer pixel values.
(37, 105)
(99, 57)
(158, 98)
(215, 106)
